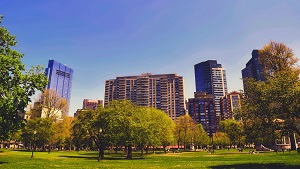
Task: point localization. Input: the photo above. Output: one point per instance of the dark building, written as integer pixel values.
(253, 68)
(60, 79)
(210, 77)
(202, 109)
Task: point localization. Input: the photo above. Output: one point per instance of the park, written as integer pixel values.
(201, 159)
(262, 130)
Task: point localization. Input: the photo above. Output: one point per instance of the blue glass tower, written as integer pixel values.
(210, 77)
(60, 79)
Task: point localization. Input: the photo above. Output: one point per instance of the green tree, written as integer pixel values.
(64, 131)
(164, 128)
(275, 98)
(44, 130)
(221, 139)
(184, 130)
(233, 129)
(159, 126)
(200, 136)
(16, 85)
(121, 123)
(92, 124)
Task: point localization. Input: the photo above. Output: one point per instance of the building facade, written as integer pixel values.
(89, 104)
(210, 77)
(253, 68)
(230, 104)
(162, 91)
(202, 109)
(59, 79)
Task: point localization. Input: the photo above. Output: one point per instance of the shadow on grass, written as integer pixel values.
(3, 162)
(105, 158)
(256, 165)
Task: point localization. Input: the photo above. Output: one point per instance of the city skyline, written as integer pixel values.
(105, 39)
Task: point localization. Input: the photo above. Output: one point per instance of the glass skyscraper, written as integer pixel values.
(253, 69)
(60, 79)
(210, 77)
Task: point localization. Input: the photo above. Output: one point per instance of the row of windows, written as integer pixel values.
(61, 73)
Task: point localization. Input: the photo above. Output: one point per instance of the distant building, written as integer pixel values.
(230, 103)
(253, 68)
(162, 91)
(202, 109)
(59, 79)
(210, 77)
(89, 104)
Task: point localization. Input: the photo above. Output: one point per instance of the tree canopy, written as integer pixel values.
(121, 123)
(16, 84)
(273, 100)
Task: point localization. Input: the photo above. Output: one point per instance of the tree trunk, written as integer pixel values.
(99, 154)
(293, 141)
(102, 147)
(147, 149)
(153, 150)
(142, 151)
(70, 145)
(116, 149)
(43, 149)
(129, 151)
(164, 147)
(49, 148)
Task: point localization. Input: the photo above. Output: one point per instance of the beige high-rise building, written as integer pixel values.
(162, 91)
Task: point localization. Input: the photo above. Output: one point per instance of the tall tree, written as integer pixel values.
(276, 57)
(233, 129)
(200, 136)
(16, 85)
(184, 130)
(92, 124)
(44, 131)
(52, 105)
(275, 98)
(64, 131)
(122, 125)
(164, 128)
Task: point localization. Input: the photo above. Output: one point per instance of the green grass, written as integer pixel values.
(221, 159)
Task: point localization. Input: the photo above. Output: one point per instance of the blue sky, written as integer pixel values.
(102, 39)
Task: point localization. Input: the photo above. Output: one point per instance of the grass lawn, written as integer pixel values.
(83, 159)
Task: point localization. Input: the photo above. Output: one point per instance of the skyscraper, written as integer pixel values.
(253, 68)
(60, 79)
(163, 91)
(210, 77)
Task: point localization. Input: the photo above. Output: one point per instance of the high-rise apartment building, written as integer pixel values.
(162, 91)
(202, 109)
(230, 104)
(59, 79)
(210, 77)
